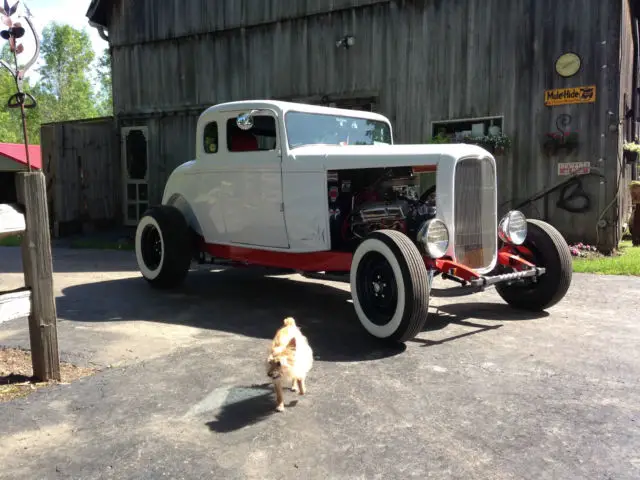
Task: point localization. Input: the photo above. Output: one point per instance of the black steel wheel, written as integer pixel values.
(376, 285)
(151, 246)
(163, 246)
(390, 286)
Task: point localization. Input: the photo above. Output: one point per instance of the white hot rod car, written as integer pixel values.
(324, 192)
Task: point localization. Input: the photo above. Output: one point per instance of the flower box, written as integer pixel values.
(496, 144)
(630, 152)
(556, 141)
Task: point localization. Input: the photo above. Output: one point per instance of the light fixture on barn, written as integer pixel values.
(346, 42)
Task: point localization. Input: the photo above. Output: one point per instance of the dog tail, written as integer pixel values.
(289, 322)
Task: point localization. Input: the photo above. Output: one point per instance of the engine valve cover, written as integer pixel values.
(377, 212)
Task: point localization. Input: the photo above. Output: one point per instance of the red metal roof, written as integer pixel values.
(15, 152)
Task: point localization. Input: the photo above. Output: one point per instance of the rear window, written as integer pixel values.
(261, 137)
(210, 138)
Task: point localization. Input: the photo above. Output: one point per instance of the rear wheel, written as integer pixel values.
(549, 250)
(390, 286)
(163, 246)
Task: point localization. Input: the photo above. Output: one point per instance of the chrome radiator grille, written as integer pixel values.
(475, 212)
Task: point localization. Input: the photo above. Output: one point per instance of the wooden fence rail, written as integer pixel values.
(36, 300)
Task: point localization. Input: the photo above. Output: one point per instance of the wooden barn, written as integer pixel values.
(556, 83)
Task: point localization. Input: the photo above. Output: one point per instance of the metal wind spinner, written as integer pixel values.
(13, 33)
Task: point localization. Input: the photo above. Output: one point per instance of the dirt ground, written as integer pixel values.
(16, 374)
(483, 392)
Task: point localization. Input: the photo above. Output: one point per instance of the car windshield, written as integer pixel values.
(322, 129)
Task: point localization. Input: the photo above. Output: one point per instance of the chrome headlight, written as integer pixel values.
(434, 237)
(513, 228)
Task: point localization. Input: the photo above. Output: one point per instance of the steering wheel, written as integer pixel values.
(429, 195)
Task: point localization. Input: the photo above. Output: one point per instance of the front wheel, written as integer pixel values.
(549, 249)
(163, 246)
(390, 286)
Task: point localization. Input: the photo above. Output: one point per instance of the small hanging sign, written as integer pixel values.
(573, 168)
(571, 95)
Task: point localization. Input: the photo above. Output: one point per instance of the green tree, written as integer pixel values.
(66, 86)
(10, 118)
(103, 74)
(65, 90)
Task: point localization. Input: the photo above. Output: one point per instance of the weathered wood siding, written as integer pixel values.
(81, 164)
(140, 21)
(171, 142)
(425, 61)
(627, 88)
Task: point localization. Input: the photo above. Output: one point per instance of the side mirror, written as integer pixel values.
(244, 121)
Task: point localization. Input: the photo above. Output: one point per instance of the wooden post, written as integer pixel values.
(38, 276)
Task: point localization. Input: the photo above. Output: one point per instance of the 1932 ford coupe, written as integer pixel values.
(325, 192)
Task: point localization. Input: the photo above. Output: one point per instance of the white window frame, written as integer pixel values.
(126, 181)
(467, 120)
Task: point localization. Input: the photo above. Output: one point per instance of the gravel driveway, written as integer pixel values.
(483, 392)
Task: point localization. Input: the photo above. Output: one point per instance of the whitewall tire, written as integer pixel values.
(549, 250)
(390, 286)
(163, 246)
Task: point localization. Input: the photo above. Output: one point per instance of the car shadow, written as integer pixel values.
(248, 302)
(239, 301)
(453, 292)
(460, 314)
(489, 311)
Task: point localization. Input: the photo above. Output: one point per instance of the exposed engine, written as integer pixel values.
(362, 201)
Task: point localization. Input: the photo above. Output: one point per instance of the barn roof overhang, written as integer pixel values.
(98, 14)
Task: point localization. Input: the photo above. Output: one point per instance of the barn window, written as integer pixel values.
(456, 130)
(210, 138)
(261, 137)
(136, 155)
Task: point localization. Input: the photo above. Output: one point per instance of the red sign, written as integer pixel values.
(573, 168)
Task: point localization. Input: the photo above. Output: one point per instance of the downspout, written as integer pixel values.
(102, 31)
(103, 34)
(634, 88)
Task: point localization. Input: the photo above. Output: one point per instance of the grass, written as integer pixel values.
(11, 241)
(625, 262)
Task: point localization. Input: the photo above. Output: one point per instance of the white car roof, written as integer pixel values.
(282, 107)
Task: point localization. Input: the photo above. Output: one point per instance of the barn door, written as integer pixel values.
(135, 173)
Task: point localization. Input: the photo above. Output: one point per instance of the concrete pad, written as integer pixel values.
(483, 392)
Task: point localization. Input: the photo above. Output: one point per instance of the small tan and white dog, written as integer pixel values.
(290, 359)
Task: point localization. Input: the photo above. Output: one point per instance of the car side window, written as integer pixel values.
(261, 137)
(210, 138)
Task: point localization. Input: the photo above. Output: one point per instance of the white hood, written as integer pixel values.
(334, 157)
